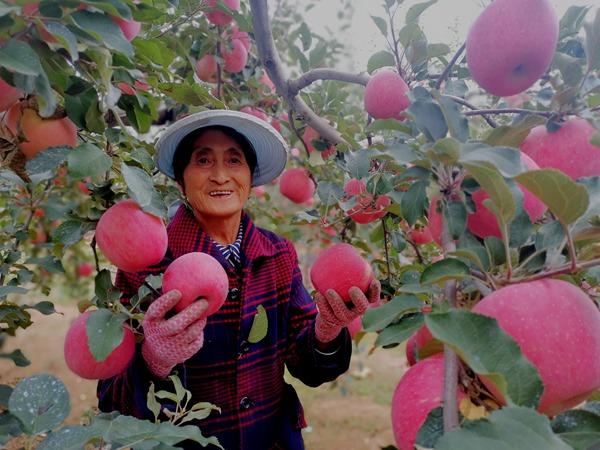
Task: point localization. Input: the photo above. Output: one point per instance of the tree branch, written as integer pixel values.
(272, 64)
(566, 268)
(483, 112)
(295, 86)
(463, 102)
(448, 68)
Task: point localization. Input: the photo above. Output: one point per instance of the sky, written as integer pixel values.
(446, 21)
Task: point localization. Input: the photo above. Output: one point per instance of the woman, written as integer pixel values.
(216, 157)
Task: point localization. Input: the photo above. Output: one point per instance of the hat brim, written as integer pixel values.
(269, 146)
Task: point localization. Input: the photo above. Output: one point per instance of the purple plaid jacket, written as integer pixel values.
(259, 410)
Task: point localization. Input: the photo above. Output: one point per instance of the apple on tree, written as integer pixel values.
(80, 359)
(206, 68)
(131, 238)
(296, 185)
(235, 56)
(385, 95)
(196, 275)
(219, 17)
(310, 135)
(85, 269)
(368, 208)
(511, 45)
(8, 95)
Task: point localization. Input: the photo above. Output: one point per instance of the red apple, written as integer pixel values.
(355, 327)
(434, 219)
(557, 327)
(8, 95)
(483, 222)
(131, 238)
(39, 133)
(420, 390)
(218, 17)
(130, 28)
(421, 345)
(80, 360)
(197, 275)
(385, 95)
(369, 209)
(242, 36)
(339, 268)
(235, 57)
(567, 149)
(311, 135)
(85, 269)
(259, 191)
(256, 112)
(421, 236)
(355, 187)
(206, 68)
(296, 185)
(266, 81)
(511, 45)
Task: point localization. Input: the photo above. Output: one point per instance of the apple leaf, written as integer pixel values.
(592, 43)
(41, 402)
(583, 225)
(18, 56)
(400, 331)
(509, 428)
(446, 151)
(458, 124)
(490, 352)
(415, 11)
(260, 325)
(579, 428)
(414, 201)
(446, 269)
(381, 24)
(105, 332)
(141, 188)
(455, 213)
(104, 30)
(566, 199)
(507, 160)
(87, 160)
(513, 135)
(378, 318)
(192, 94)
(429, 118)
(492, 182)
(387, 124)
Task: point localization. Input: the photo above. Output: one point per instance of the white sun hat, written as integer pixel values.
(270, 147)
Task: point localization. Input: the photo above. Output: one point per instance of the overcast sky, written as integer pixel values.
(447, 21)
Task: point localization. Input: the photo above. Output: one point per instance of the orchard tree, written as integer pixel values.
(468, 179)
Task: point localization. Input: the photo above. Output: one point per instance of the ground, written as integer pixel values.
(353, 413)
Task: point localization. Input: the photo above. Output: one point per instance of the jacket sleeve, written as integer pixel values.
(127, 391)
(304, 361)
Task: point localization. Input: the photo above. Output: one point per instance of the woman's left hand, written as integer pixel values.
(335, 314)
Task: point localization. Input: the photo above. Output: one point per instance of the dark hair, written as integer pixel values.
(184, 150)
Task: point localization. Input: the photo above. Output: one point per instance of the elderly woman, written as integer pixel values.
(215, 157)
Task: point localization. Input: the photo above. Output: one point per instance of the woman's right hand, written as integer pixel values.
(168, 342)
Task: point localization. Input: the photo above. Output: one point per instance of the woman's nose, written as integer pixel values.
(219, 174)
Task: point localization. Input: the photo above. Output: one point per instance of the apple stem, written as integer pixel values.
(448, 68)
(571, 247)
(93, 245)
(509, 268)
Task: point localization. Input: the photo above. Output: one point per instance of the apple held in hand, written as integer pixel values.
(131, 238)
(557, 327)
(296, 185)
(511, 45)
(197, 275)
(80, 360)
(339, 268)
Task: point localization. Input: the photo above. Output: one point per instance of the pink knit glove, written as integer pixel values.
(335, 314)
(168, 342)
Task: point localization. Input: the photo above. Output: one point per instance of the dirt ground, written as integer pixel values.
(352, 414)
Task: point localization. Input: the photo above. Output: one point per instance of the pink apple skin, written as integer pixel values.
(8, 95)
(242, 36)
(219, 17)
(355, 327)
(130, 28)
(567, 149)
(355, 187)
(196, 275)
(411, 349)
(483, 223)
(130, 238)
(420, 390)
(206, 68)
(511, 45)
(421, 236)
(309, 136)
(557, 327)
(80, 360)
(339, 268)
(85, 269)
(296, 185)
(256, 112)
(365, 212)
(434, 219)
(385, 95)
(235, 58)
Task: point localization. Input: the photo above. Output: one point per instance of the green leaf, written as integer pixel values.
(387, 124)
(457, 122)
(592, 43)
(414, 201)
(141, 188)
(50, 263)
(492, 182)
(193, 95)
(511, 428)
(104, 289)
(569, 67)
(429, 118)
(507, 160)
(40, 402)
(70, 232)
(17, 357)
(48, 160)
(104, 30)
(437, 50)
(260, 325)
(513, 135)
(155, 52)
(5, 290)
(578, 428)
(410, 33)
(381, 24)
(18, 56)
(69, 438)
(490, 352)
(584, 223)
(566, 199)
(151, 402)
(357, 163)
(105, 332)
(45, 307)
(378, 318)
(87, 160)
(400, 331)
(432, 429)
(446, 269)
(65, 36)
(305, 36)
(5, 391)
(415, 11)
(402, 153)
(380, 59)
(329, 193)
(446, 151)
(456, 217)
(570, 22)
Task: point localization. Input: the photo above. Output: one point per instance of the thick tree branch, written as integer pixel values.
(448, 68)
(272, 64)
(295, 86)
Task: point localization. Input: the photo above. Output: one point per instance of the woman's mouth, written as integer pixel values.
(220, 193)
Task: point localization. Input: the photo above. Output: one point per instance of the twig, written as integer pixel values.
(566, 268)
(482, 112)
(570, 246)
(307, 78)
(463, 102)
(448, 68)
(395, 42)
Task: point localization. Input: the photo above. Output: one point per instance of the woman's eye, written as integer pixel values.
(203, 160)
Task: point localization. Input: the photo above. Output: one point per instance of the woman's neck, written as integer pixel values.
(223, 230)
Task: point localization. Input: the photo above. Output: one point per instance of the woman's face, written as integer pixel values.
(217, 179)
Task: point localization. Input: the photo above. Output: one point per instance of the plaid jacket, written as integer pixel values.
(259, 410)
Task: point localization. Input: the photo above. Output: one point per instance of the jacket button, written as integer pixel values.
(246, 403)
(234, 293)
(244, 348)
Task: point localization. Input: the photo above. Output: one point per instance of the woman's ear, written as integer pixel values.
(181, 187)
